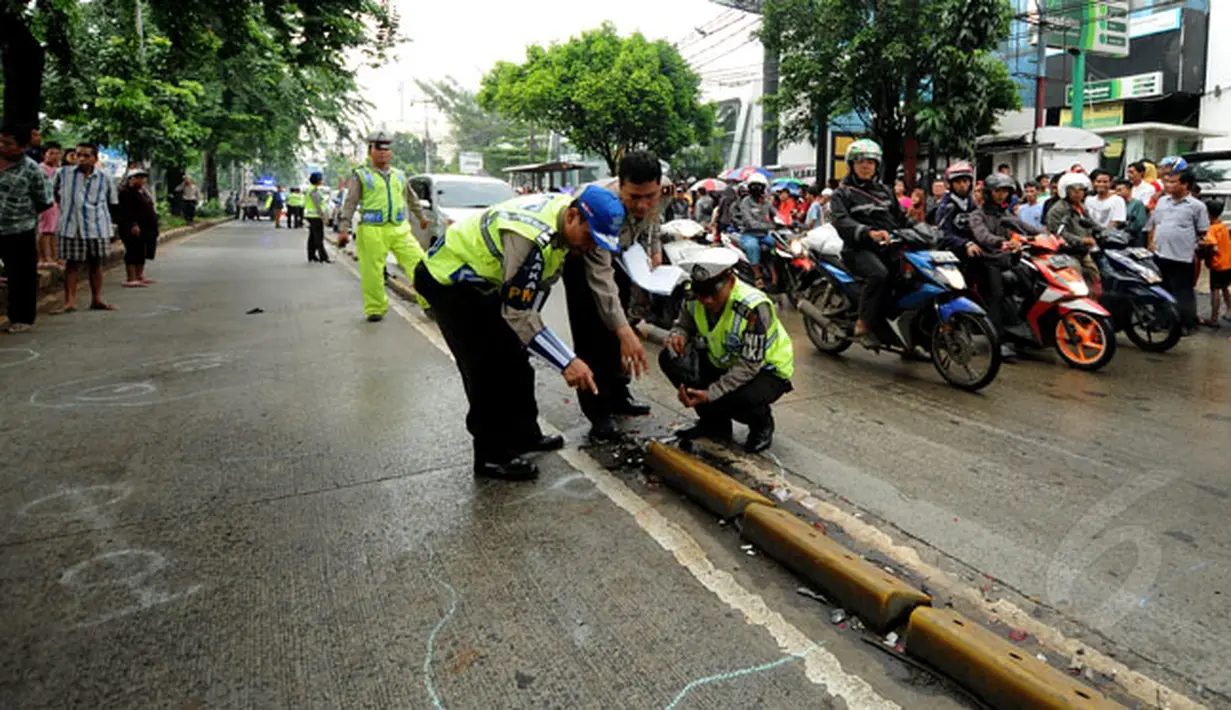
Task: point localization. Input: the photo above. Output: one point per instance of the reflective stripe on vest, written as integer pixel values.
(472, 251)
(309, 208)
(725, 342)
(387, 205)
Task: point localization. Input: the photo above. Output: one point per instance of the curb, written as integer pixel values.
(405, 290)
(989, 667)
(881, 600)
(51, 284)
(714, 490)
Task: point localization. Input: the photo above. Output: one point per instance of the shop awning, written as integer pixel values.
(557, 166)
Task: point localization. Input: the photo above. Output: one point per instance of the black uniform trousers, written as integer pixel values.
(875, 268)
(316, 240)
(987, 275)
(19, 252)
(1179, 278)
(747, 404)
(294, 216)
(494, 365)
(593, 341)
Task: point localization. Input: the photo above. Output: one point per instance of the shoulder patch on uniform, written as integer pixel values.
(520, 293)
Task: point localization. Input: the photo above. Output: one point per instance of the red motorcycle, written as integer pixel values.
(1054, 307)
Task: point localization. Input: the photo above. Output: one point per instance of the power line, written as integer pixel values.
(706, 29)
(750, 40)
(723, 41)
(707, 33)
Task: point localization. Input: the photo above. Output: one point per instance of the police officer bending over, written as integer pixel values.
(728, 354)
(486, 280)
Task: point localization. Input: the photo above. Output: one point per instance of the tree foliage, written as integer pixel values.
(502, 141)
(605, 93)
(230, 80)
(909, 69)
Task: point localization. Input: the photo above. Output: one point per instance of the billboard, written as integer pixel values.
(469, 163)
(1094, 27)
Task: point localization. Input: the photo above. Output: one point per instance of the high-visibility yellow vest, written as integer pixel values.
(384, 197)
(472, 251)
(295, 199)
(309, 210)
(269, 200)
(725, 341)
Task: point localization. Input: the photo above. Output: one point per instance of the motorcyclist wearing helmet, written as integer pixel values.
(1067, 218)
(863, 238)
(953, 212)
(993, 226)
(754, 219)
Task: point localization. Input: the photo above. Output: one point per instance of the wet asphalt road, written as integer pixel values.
(202, 507)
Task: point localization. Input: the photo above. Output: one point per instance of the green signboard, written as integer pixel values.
(1138, 86)
(1093, 26)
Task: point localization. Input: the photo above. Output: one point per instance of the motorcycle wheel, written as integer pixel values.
(1154, 326)
(829, 300)
(1085, 341)
(959, 345)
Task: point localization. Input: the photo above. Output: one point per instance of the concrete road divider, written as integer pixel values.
(997, 672)
(880, 599)
(718, 492)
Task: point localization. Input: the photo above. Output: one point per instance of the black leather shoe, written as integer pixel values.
(760, 438)
(605, 429)
(375, 318)
(552, 442)
(514, 469)
(703, 430)
(630, 407)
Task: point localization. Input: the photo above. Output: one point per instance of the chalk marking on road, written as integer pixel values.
(112, 493)
(562, 487)
(84, 505)
(116, 394)
(820, 666)
(1159, 588)
(30, 356)
(731, 675)
(431, 639)
(1142, 688)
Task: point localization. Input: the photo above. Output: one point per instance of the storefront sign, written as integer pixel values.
(1093, 27)
(1138, 86)
(1095, 116)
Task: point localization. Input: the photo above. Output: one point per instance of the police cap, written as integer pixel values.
(712, 263)
(380, 138)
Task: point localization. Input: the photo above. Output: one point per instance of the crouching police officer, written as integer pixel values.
(384, 196)
(747, 361)
(485, 281)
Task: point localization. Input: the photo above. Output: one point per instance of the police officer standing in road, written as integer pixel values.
(598, 293)
(314, 210)
(485, 281)
(385, 195)
(728, 354)
(294, 209)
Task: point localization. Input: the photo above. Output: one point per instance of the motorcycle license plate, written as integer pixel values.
(943, 257)
(1139, 253)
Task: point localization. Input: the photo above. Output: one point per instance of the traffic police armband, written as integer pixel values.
(549, 346)
(521, 293)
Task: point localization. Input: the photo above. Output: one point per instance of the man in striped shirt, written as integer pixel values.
(86, 196)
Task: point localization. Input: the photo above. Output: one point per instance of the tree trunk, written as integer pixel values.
(210, 165)
(175, 176)
(910, 163)
(891, 144)
(22, 56)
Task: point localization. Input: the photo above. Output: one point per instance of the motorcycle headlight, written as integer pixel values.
(951, 276)
(797, 247)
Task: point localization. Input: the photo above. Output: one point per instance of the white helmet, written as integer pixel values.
(756, 179)
(1069, 181)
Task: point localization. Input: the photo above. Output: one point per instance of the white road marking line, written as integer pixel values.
(820, 666)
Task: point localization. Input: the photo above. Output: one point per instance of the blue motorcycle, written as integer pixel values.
(1133, 293)
(930, 308)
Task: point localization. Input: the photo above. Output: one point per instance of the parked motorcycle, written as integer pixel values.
(1047, 296)
(930, 307)
(1133, 294)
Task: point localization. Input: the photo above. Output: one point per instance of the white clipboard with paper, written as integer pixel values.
(661, 281)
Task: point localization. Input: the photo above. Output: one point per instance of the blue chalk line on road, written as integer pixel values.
(731, 675)
(431, 639)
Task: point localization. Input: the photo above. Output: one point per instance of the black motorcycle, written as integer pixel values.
(1133, 293)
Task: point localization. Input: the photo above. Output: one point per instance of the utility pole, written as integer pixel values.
(1040, 90)
(427, 132)
(1079, 86)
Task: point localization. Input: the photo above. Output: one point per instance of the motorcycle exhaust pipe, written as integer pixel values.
(809, 309)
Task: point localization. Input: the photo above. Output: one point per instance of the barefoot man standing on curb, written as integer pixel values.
(385, 195)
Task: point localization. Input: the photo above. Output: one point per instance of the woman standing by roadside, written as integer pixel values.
(138, 223)
(50, 217)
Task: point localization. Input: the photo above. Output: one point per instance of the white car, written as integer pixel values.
(451, 198)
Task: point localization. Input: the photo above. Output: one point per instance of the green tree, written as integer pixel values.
(337, 168)
(909, 69)
(697, 161)
(408, 153)
(605, 93)
(502, 141)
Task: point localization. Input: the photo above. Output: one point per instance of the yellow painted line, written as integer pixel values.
(1140, 687)
(820, 666)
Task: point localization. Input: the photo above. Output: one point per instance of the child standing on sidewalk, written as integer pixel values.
(1220, 263)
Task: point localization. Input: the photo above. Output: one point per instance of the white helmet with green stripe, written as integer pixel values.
(863, 149)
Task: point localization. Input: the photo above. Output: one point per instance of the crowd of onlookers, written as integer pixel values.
(59, 210)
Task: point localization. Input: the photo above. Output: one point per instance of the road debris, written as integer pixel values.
(891, 639)
(837, 616)
(1018, 635)
(811, 594)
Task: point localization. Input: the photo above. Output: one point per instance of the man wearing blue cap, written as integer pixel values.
(485, 281)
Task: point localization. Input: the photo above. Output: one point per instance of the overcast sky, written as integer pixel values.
(464, 38)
